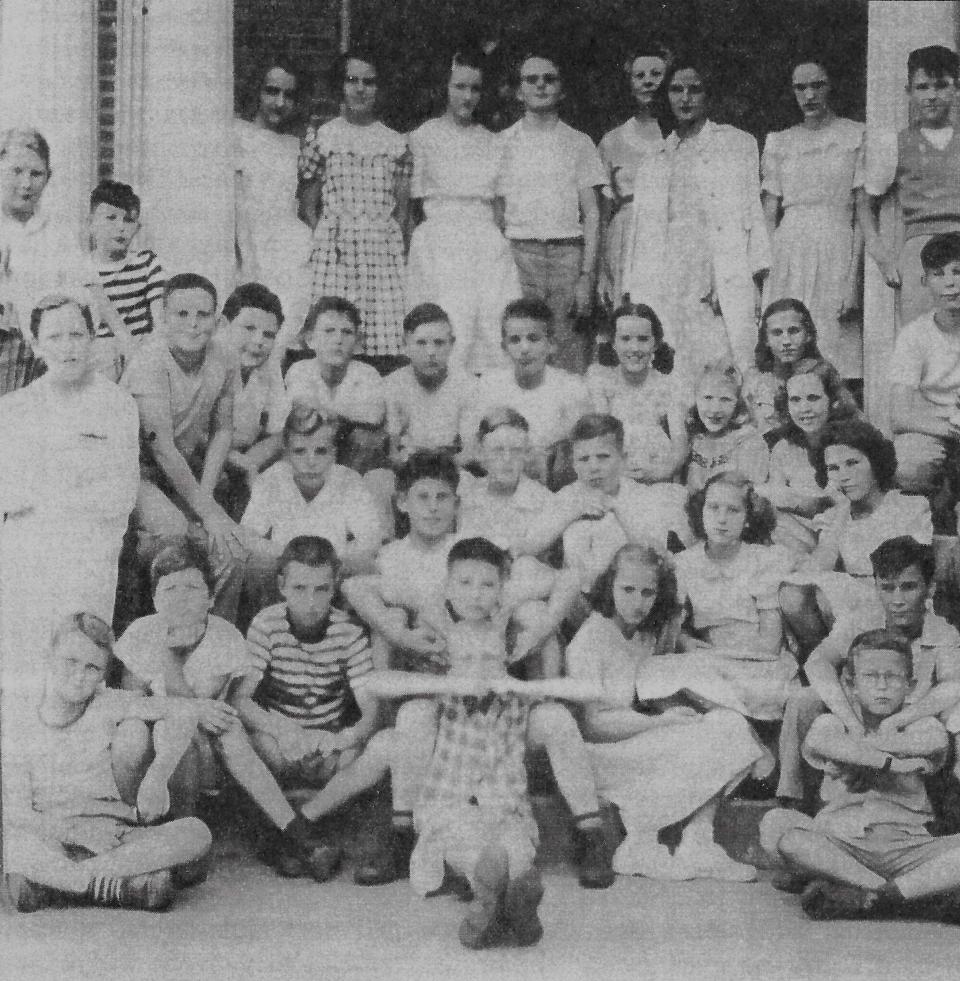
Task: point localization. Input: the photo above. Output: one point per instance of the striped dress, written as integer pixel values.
(308, 681)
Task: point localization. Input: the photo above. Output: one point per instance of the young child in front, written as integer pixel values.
(604, 510)
(903, 575)
(253, 317)
(334, 382)
(185, 381)
(308, 658)
(549, 179)
(719, 431)
(921, 172)
(550, 399)
(70, 836)
(132, 280)
(868, 850)
(472, 812)
(640, 392)
(924, 378)
(184, 651)
(308, 493)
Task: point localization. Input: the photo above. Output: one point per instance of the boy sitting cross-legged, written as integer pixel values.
(308, 657)
(184, 650)
(70, 836)
(869, 851)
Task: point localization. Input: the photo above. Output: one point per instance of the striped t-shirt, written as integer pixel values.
(132, 285)
(308, 682)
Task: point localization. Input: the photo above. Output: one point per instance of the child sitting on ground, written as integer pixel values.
(307, 493)
(253, 318)
(549, 398)
(472, 812)
(70, 836)
(185, 651)
(185, 380)
(869, 851)
(133, 281)
(333, 382)
(308, 657)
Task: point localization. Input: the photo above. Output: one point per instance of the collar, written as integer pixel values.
(707, 133)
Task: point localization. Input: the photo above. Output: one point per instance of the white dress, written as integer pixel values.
(74, 465)
(661, 776)
(815, 174)
(458, 257)
(730, 596)
(267, 165)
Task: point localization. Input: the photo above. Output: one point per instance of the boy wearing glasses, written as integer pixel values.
(549, 181)
(869, 851)
(903, 572)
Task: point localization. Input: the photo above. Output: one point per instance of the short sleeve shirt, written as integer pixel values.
(926, 359)
(542, 175)
(193, 397)
(359, 397)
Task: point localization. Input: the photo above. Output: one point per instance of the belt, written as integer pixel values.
(578, 240)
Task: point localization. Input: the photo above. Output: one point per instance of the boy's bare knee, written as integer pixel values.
(551, 723)
(416, 716)
(196, 834)
(794, 600)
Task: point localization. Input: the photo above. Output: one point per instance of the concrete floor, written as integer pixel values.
(246, 924)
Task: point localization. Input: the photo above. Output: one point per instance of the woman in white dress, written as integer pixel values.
(69, 445)
(273, 244)
(810, 176)
(625, 152)
(658, 767)
(458, 257)
(697, 248)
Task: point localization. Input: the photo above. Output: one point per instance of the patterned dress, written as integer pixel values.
(475, 790)
(358, 244)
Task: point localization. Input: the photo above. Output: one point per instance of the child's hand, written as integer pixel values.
(587, 503)
(426, 642)
(226, 536)
(893, 724)
(295, 743)
(153, 798)
(215, 717)
(890, 272)
(324, 743)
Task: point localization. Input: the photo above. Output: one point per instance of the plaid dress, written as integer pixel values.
(357, 244)
(475, 790)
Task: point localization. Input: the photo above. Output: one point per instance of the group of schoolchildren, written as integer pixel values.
(668, 589)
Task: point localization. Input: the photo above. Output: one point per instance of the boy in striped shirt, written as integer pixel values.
(308, 655)
(132, 280)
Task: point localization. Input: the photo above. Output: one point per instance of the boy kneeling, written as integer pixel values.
(869, 850)
(71, 838)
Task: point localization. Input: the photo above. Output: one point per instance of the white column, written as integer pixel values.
(174, 130)
(895, 28)
(48, 82)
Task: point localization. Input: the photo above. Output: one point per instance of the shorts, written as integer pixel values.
(313, 771)
(889, 850)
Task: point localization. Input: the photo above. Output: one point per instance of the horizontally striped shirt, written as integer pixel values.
(308, 682)
(132, 285)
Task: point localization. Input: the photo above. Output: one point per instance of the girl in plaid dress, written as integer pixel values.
(356, 175)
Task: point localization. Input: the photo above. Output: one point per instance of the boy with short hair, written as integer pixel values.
(869, 849)
(253, 317)
(309, 658)
(334, 382)
(185, 382)
(133, 282)
(921, 170)
(604, 510)
(308, 493)
(70, 836)
(903, 571)
(405, 752)
(185, 651)
(550, 399)
(426, 402)
(925, 388)
(549, 179)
